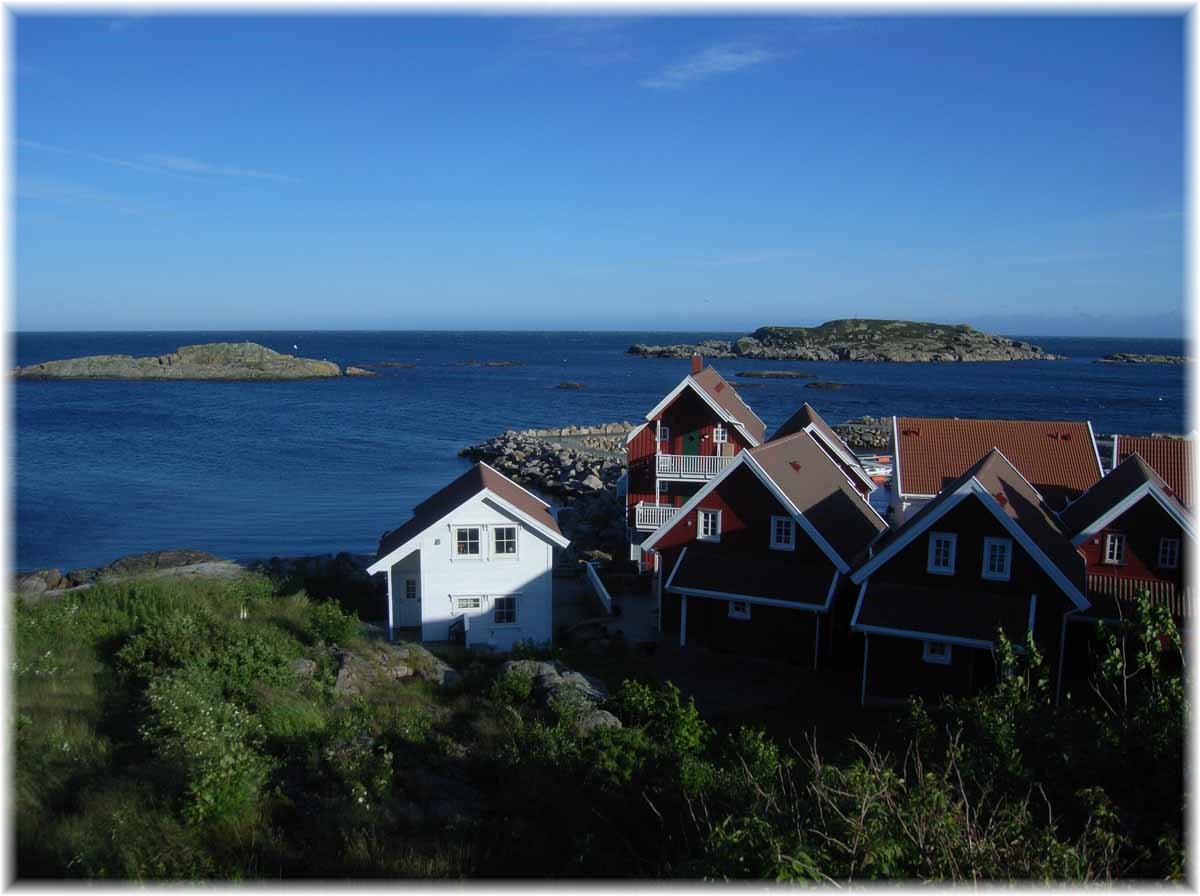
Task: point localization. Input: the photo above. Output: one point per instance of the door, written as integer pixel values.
(409, 602)
(691, 442)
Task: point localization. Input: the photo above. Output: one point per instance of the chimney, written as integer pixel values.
(697, 362)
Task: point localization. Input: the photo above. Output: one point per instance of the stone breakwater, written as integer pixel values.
(211, 361)
(866, 433)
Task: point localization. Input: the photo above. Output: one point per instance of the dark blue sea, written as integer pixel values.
(250, 470)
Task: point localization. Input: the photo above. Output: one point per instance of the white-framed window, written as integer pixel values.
(710, 525)
(1114, 548)
(469, 603)
(410, 589)
(466, 541)
(1168, 553)
(739, 609)
(936, 652)
(504, 541)
(783, 533)
(504, 610)
(663, 486)
(941, 553)
(720, 436)
(664, 432)
(997, 559)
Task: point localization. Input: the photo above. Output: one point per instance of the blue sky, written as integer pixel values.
(1021, 174)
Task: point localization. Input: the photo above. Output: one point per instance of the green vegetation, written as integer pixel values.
(170, 729)
(864, 329)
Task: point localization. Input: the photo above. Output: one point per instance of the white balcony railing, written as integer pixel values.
(651, 516)
(691, 466)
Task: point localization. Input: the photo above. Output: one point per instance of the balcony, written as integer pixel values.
(691, 467)
(651, 516)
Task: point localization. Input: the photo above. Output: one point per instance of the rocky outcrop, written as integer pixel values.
(866, 433)
(569, 385)
(1133, 358)
(150, 563)
(212, 361)
(556, 686)
(823, 384)
(375, 664)
(861, 340)
(359, 371)
(471, 362)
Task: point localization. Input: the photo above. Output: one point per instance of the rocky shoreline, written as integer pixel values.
(210, 361)
(899, 341)
(1133, 358)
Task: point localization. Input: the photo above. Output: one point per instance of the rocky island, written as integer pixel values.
(860, 340)
(1133, 358)
(211, 361)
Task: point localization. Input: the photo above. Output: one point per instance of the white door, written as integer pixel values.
(409, 602)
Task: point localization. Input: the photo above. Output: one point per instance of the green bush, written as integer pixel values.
(327, 623)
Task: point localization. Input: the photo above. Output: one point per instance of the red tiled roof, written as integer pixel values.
(1112, 597)
(771, 574)
(479, 478)
(944, 612)
(1059, 458)
(1127, 477)
(720, 391)
(814, 482)
(1172, 459)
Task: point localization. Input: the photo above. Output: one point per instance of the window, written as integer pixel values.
(469, 603)
(719, 434)
(783, 533)
(997, 559)
(936, 652)
(505, 610)
(941, 553)
(1114, 548)
(664, 433)
(739, 609)
(505, 541)
(663, 484)
(710, 525)
(410, 589)
(466, 542)
(1168, 553)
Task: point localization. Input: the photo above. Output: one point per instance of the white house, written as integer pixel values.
(475, 559)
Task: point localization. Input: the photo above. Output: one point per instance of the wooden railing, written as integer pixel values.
(650, 516)
(598, 586)
(691, 466)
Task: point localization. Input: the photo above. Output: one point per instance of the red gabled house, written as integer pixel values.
(755, 559)
(986, 554)
(689, 438)
(1058, 458)
(808, 420)
(1135, 535)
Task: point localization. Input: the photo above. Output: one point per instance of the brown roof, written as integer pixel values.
(771, 574)
(944, 612)
(1129, 475)
(479, 478)
(1058, 457)
(1019, 501)
(720, 391)
(1172, 459)
(1112, 597)
(819, 489)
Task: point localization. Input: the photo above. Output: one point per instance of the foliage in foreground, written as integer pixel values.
(162, 731)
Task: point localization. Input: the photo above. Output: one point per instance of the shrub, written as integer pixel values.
(327, 623)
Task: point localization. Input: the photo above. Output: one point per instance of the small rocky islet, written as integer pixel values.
(210, 361)
(902, 341)
(1134, 358)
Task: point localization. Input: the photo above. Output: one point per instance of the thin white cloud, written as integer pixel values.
(722, 59)
(61, 192)
(163, 164)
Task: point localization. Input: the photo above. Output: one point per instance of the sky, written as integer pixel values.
(1021, 174)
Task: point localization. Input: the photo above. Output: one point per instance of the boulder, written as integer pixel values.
(596, 718)
(303, 667)
(38, 581)
(139, 564)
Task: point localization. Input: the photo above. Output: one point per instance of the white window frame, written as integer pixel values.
(934, 538)
(739, 609)
(478, 555)
(663, 486)
(715, 535)
(1006, 574)
(411, 589)
(938, 659)
(720, 434)
(496, 530)
(468, 602)
(496, 609)
(1116, 539)
(776, 544)
(664, 432)
(1169, 546)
